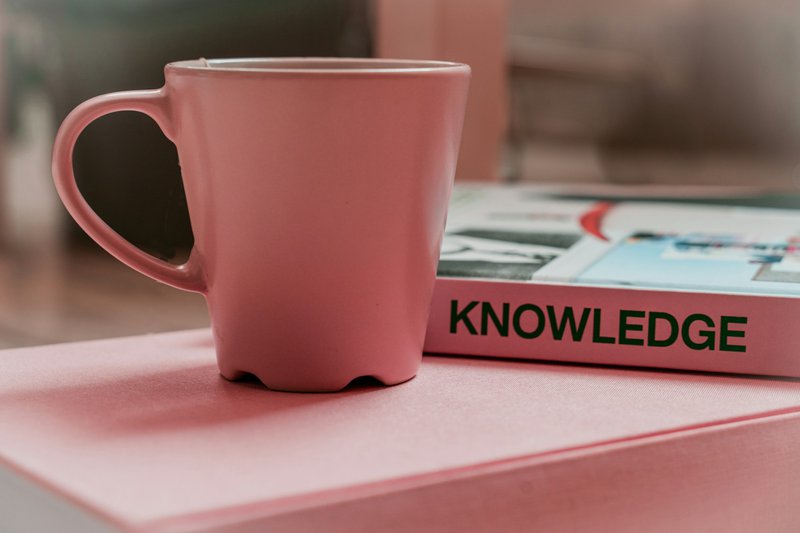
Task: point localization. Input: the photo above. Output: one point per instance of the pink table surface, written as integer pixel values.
(144, 432)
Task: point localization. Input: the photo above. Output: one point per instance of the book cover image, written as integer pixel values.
(520, 234)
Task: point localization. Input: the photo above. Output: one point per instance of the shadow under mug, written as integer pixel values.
(317, 192)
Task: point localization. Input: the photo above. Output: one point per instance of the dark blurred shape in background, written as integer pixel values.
(125, 167)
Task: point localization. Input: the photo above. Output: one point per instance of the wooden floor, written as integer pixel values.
(50, 297)
(51, 292)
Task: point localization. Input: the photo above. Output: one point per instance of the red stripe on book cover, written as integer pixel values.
(592, 220)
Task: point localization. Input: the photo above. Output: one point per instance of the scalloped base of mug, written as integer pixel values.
(322, 384)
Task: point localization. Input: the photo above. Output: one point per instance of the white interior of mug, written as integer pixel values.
(314, 65)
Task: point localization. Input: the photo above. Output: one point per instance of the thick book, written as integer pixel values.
(142, 434)
(526, 274)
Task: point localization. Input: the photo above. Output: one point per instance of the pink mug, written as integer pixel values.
(317, 192)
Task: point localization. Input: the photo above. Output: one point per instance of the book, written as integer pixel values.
(527, 274)
(142, 434)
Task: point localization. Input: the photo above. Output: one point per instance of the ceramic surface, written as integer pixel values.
(317, 191)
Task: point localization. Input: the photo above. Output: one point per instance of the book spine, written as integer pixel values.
(733, 333)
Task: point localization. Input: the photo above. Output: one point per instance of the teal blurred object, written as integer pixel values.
(125, 168)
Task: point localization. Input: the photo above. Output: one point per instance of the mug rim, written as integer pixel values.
(347, 66)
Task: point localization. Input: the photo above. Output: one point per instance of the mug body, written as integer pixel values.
(317, 192)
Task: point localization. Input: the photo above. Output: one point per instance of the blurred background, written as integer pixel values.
(676, 94)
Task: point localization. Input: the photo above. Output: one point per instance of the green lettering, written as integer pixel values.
(725, 332)
(487, 313)
(651, 329)
(457, 316)
(517, 321)
(567, 319)
(596, 336)
(625, 327)
(708, 335)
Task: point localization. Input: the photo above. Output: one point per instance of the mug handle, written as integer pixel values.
(155, 104)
